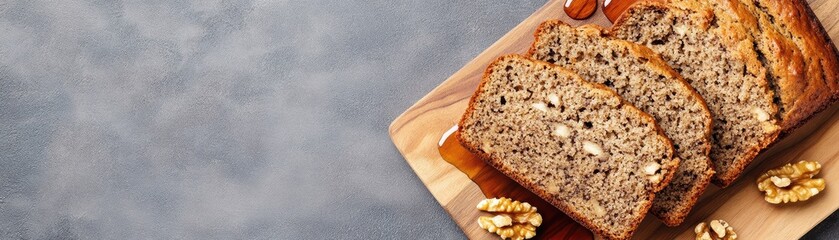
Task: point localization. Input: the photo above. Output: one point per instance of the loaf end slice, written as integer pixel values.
(576, 144)
(641, 77)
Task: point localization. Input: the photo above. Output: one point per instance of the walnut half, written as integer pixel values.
(716, 230)
(514, 220)
(791, 182)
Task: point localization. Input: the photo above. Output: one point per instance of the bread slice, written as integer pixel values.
(790, 29)
(721, 64)
(643, 79)
(574, 143)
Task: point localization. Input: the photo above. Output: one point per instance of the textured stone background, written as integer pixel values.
(226, 119)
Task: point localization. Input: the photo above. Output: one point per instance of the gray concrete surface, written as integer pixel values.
(208, 119)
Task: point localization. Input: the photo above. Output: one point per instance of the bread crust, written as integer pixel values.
(806, 74)
(823, 89)
(474, 148)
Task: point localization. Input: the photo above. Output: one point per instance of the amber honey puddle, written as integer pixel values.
(614, 8)
(556, 224)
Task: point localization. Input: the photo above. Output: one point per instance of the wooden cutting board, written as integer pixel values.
(417, 131)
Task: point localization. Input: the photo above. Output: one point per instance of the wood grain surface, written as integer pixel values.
(417, 131)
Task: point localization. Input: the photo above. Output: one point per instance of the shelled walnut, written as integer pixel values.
(515, 220)
(716, 230)
(791, 182)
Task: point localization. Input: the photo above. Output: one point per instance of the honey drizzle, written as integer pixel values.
(556, 225)
(580, 9)
(614, 8)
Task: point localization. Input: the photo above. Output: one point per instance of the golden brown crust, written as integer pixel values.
(799, 55)
(541, 192)
(823, 75)
(782, 59)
